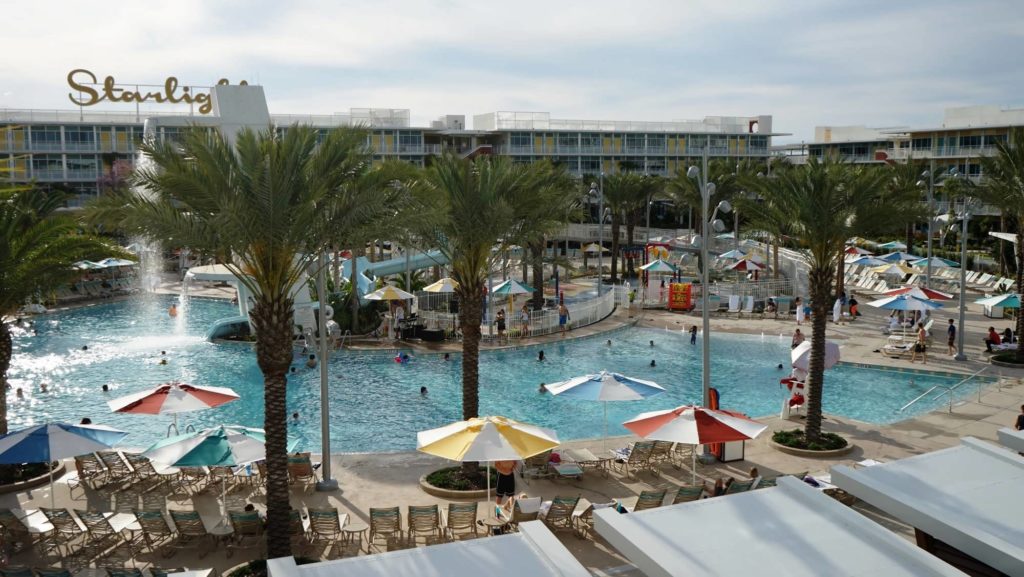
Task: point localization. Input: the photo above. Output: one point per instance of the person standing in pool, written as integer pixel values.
(693, 335)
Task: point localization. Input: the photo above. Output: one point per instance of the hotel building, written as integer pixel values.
(86, 150)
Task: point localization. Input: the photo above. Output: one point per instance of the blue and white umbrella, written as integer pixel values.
(1006, 301)
(898, 257)
(868, 261)
(894, 245)
(604, 387)
(905, 302)
(55, 441)
(937, 262)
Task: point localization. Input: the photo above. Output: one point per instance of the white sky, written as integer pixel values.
(805, 62)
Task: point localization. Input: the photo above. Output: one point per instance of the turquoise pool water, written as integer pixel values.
(376, 404)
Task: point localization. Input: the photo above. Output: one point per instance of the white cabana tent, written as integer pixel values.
(1012, 439)
(533, 551)
(791, 530)
(968, 497)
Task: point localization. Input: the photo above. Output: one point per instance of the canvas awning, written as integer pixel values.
(791, 529)
(533, 551)
(968, 497)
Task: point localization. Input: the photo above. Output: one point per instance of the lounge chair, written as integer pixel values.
(118, 471)
(536, 467)
(16, 571)
(523, 510)
(558, 517)
(67, 531)
(583, 520)
(567, 470)
(734, 305)
(648, 500)
(423, 520)
(748, 307)
(740, 486)
(142, 468)
(586, 460)
(90, 472)
(460, 518)
(124, 572)
(102, 534)
(301, 470)
(301, 538)
(16, 532)
(247, 532)
(688, 493)
(661, 452)
(156, 531)
(897, 351)
(638, 457)
(193, 479)
(52, 572)
(386, 522)
(190, 532)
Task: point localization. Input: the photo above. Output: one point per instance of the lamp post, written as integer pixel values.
(930, 175)
(964, 217)
(327, 483)
(706, 190)
(598, 188)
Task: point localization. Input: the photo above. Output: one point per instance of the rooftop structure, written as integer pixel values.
(963, 500)
(791, 529)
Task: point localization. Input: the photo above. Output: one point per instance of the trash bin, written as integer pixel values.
(733, 451)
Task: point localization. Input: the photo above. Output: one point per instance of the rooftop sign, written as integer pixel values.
(93, 92)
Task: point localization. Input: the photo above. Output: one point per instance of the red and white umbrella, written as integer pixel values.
(919, 292)
(694, 425)
(171, 399)
(746, 265)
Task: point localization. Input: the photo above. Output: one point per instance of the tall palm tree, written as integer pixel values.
(38, 249)
(647, 189)
(622, 193)
(465, 208)
(1003, 186)
(825, 202)
(263, 207)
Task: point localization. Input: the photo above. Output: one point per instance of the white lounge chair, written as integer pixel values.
(734, 305)
(748, 307)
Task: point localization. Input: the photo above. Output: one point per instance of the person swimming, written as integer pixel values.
(447, 357)
(19, 393)
(172, 311)
(542, 389)
(609, 343)
(653, 364)
(85, 347)
(780, 367)
(295, 416)
(540, 356)
(311, 361)
(423, 391)
(42, 387)
(652, 343)
(106, 388)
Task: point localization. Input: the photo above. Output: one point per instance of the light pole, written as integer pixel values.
(706, 190)
(965, 216)
(598, 188)
(327, 483)
(930, 175)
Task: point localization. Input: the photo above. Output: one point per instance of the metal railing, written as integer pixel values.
(533, 323)
(947, 390)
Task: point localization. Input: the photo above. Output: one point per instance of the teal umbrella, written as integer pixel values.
(511, 288)
(221, 446)
(1006, 301)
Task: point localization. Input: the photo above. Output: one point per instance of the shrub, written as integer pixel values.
(10, 474)
(1006, 357)
(795, 439)
(452, 478)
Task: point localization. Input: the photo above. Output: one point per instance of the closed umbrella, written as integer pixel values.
(604, 387)
(55, 441)
(171, 399)
(486, 439)
(694, 425)
(801, 355)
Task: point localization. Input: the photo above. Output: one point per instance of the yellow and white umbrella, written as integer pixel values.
(445, 285)
(389, 293)
(486, 439)
(594, 247)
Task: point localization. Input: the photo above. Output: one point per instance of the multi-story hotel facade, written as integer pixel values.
(85, 150)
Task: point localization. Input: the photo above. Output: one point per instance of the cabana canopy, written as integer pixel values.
(968, 497)
(533, 551)
(791, 529)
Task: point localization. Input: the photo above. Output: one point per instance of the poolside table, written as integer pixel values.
(587, 460)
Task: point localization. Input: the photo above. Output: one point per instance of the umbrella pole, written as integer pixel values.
(604, 443)
(489, 489)
(49, 464)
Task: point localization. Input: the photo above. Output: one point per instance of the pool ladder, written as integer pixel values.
(949, 390)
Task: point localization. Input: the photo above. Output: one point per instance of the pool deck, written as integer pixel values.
(389, 479)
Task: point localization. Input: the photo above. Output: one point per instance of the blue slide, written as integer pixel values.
(388, 267)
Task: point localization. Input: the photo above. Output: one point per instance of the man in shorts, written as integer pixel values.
(563, 317)
(951, 340)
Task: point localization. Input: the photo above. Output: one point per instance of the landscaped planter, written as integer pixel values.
(33, 482)
(1006, 359)
(812, 454)
(454, 494)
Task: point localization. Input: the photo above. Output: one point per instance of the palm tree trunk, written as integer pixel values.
(615, 248)
(537, 252)
(775, 256)
(469, 317)
(6, 352)
(337, 268)
(272, 318)
(1020, 289)
(840, 272)
(820, 279)
(630, 228)
(910, 238)
(354, 293)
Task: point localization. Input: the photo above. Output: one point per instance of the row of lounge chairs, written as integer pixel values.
(21, 571)
(94, 289)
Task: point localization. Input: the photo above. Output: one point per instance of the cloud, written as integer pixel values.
(805, 62)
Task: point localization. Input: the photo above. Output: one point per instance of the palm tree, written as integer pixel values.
(825, 203)
(38, 250)
(263, 206)
(1003, 186)
(465, 208)
(647, 189)
(622, 193)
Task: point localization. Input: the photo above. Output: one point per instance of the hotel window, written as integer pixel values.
(590, 141)
(655, 166)
(757, 143)
(656, 143)
(571, 163)
(590, 165)
(83, 166)
(79, 138)
(47, 166)
(409, 141)
(993, 139)
(46, 137)
(634, 143)
(971, 141)
(568, 141)
(922, 143)
(521, 142)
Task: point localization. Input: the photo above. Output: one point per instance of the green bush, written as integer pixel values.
(1006, 357)
(795, 439)
(452, 478)
(10, 474)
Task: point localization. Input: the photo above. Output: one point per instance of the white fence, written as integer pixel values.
(533, 323)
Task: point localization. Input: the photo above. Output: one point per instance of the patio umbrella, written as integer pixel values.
(868, 261)
(659, 266)
(1006, 301)
(898, 257)
(88, 265)
(389, 293)
(746, 265)
(594, 247)
(894, 245)
(171, 399)
(733, 254)
(605, 386)
(693, 425)
(893, 270)
(937, 262)
(510, 289)
(445, 285)
(856, 250)
(920, 293)
(801, 355)
(486, 439)
(55, 441)
(904, 302)
(115, 262)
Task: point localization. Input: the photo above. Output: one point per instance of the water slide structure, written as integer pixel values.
(365, 269)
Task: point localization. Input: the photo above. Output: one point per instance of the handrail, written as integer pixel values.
(947, 390)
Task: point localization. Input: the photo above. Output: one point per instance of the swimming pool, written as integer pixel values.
(376, 404)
